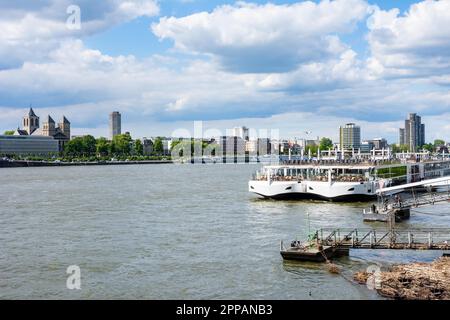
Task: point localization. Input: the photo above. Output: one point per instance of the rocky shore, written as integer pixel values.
(414, 281)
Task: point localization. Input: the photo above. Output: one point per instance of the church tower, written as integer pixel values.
(30, 122)
(64, 126)
(48, 127)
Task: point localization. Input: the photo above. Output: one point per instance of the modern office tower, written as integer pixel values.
(241, 132)
(414, 136)
(115, 124)
(401, 136)
(349, 137)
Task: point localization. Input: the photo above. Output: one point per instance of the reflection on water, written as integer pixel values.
(171, 232)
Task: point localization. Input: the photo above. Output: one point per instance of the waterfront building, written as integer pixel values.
(28, 145)
(147, 145)
(115, 124)
(349, 137)
(380, 143)
(366, 146)
(282, 147)
(413, 133)
(241, 132)
(263, 146)
(60, 132)
(250, 146)
(303, 143)
(231, 145)
(376, 143)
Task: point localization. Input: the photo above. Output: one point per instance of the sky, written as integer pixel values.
(301, 68)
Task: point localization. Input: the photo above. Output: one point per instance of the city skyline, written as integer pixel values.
(370, 63)
(349, 136)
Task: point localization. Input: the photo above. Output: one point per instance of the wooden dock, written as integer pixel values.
(340, 241)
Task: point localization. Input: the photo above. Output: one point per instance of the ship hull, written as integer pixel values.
(343, 192)
(311, 196)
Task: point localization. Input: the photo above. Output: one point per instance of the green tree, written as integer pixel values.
(103, 146)
(325, 144)
(74, 147)
(138, 147)
(9, 133)
(313, 149)
(81, 146)
(174, 144)
(158, 147)
(89, 145)
(121, 144)
(399, 148)
(428, 147)
(439, 142)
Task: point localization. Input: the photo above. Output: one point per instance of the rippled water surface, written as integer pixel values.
(171, 232)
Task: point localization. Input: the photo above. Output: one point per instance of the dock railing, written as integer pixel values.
(431, 238)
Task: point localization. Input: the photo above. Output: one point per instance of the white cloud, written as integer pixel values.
(265, 38)
(416, 44)
(338, 72)
(308, 87)
(30, 30)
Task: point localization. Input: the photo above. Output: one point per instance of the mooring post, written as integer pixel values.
(430, 240)
(409, 239)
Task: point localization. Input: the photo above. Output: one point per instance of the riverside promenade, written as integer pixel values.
(28, 163)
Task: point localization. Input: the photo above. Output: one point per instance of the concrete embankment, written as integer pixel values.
(25, 163)
(414, 281)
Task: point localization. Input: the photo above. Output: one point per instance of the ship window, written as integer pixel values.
(288, 188)
(251, 187)
(351, 189)
(310, 188)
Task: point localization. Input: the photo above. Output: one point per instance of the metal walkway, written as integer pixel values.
(415, 201)
(423, 239)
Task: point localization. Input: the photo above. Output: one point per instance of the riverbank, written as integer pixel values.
(414, 281)
(30, 163)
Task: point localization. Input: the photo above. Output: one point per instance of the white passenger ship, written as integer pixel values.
(350, 180)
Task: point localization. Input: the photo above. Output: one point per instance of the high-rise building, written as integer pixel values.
(401, 136)
(241, 132)
(115, 124)
(350, 137)
(414, 132)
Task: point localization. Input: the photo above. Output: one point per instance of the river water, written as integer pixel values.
(171, 232)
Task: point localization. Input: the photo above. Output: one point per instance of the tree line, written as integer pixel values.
(120, 145)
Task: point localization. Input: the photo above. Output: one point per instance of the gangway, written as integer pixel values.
(393, 206)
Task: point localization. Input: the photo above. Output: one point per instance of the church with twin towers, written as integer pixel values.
(31, 126)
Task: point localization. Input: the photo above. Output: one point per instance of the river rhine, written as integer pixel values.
(171, 232)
